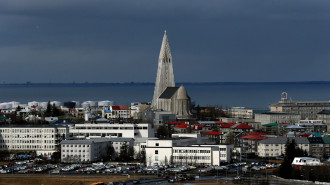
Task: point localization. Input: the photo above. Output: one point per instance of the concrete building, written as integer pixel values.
(164, 152)
(107, 130)
(306, 109)
(117, 143)
(313, 125)
(120, 111)
(90, 150)
(240, 112)
(202, 154)
(277, 117)
(44, 139)
(325, 117)
(137, 108)
(274, 147)
(158, 117)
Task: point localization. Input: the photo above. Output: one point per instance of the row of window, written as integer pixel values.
(27, 141)
(192, 151)
(105, 128)
(75, 150)
(75, 146)
(24, 147)
(192, 157)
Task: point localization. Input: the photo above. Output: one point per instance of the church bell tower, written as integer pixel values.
(165, 76)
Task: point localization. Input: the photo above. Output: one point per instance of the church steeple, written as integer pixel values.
(165, 76)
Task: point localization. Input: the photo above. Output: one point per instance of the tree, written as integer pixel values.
(141, 157)
(162, 131)
(126, 153)
(291, 151)
(48, 111)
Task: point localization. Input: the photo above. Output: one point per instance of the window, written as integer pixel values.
(157, 144)
(156, 151)
(156, 158)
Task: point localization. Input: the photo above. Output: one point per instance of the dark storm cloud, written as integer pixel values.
(119, 41)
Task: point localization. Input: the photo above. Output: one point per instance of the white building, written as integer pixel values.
(274, 147)
(164, 152)
(117, 143)
(202, 154)
(85, 150)
(240, 112)
(276, 117)
(44, 139)
(107, 130)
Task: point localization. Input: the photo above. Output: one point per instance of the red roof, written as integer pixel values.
(283, 123)
(228, 125)
(257, 134)
(242, 126)
(212, 133)
(305, 135)
(220, 122)
(197, 126)
(253, 137)
(184, 125)
(119, 107)
(174, 123)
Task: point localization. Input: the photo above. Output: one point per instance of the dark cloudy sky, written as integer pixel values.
(119, 41)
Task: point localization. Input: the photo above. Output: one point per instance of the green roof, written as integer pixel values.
(326, 140)
(271, 125)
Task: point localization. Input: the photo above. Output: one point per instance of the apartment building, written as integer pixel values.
(90, 150)
(44, 139)
(274, 147)
(277, 117)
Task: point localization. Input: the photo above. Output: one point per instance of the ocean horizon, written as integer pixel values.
(225, 94)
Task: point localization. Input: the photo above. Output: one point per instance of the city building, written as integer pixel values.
(107, 130)
(306, 109)
(277, 117)
(249, 143)
(182, 151)
(274, 147)
(120, 111)
(117, 144)
(44, 139)
(313, 125)
(324, 115)
(158, 117)
(91, 150)
(240, 112)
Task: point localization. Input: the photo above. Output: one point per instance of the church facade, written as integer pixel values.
(167, 96)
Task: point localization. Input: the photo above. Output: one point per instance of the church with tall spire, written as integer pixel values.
(167, 96)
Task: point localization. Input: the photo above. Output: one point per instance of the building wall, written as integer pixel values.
(43, 140)
(84, 152)
(275, 150)
(277, 118)
(89, 130)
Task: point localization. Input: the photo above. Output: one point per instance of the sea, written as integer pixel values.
(225, 94)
